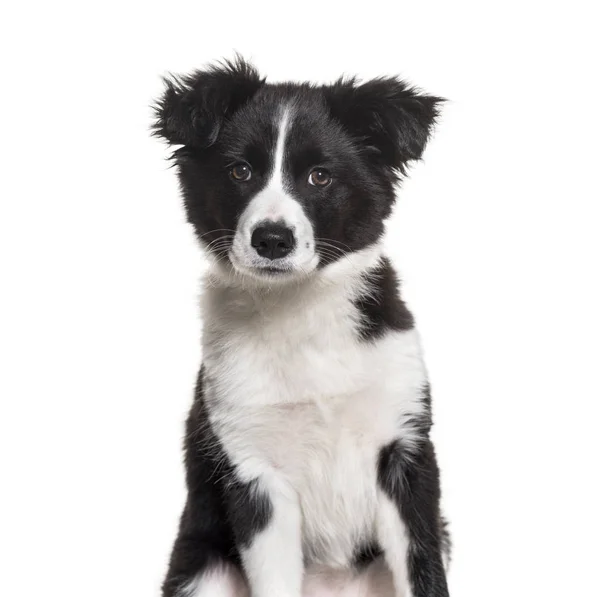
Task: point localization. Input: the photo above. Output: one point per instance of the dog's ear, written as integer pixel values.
(391, 118)
(192, 109)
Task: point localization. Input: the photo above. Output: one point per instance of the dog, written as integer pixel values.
(310, 469)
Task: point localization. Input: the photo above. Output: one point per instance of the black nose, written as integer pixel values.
(272, 240)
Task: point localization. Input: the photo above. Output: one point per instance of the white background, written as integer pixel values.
(496, 235)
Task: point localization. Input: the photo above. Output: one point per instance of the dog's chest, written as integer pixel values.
(303, 399)
(331, 463)
(327, 454)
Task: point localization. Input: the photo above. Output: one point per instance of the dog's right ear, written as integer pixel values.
(192, 109)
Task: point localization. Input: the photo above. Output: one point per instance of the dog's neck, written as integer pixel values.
(226, 290)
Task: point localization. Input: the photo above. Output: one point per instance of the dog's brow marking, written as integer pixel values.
(277, 178)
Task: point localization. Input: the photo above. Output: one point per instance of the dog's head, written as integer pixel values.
(280, 180)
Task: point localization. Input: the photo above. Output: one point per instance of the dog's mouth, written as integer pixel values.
(272, 270)
(268, 271)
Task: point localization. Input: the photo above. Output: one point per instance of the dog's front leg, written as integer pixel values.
(265, 514)
(409, 520)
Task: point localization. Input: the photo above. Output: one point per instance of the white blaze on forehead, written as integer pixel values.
(276, 203)
(274, 206)
(277, 175)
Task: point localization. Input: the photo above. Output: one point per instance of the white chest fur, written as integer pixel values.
(292, 391)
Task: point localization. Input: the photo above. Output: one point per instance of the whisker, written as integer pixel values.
(332, 251)
(330, 240)
(222, 239)
(217, 230)
(219, 245)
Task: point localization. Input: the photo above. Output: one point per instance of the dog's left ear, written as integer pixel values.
(391, 118)
(193, 108)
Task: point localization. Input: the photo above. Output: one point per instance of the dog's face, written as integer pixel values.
(281, 180)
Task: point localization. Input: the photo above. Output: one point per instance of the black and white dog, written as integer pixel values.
(309, 465)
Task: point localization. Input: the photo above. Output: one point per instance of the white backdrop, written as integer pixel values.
(496, 235)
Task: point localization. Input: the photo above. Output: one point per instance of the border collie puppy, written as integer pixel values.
(310, 470)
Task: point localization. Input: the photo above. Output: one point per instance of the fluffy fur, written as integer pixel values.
(309, 465)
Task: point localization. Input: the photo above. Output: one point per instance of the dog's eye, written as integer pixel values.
(241, 172)
(319, 177)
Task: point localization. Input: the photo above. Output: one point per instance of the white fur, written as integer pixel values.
(302, 405)
(273, 561)
(393, 537)
(223, 581)
(375, 581)
(227, 581)
(275, 204)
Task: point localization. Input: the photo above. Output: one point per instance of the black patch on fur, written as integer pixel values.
(249, 511)
(365, 555)
(193, 107)
(392, 119)
(220, 514)
(380, 306)
(411, 481)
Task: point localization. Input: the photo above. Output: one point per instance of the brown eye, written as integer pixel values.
(241, 172)
(319, 177)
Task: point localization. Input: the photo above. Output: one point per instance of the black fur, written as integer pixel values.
(249, 510)
(365, 555)
(194, 107)
(411, 480)
(381, 307)
(391, 118)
